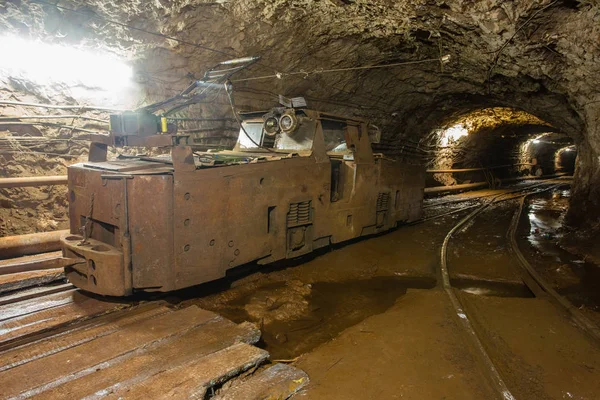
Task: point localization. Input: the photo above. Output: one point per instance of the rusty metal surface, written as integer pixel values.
(32, 181)
(34, 243)
(165, 224)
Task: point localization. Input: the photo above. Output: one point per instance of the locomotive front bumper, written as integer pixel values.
(96, 267)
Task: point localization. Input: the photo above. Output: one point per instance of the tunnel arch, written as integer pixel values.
(538, 56)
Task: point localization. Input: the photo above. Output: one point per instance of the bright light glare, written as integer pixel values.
(535, 141)
(452, 134)
(44, 63)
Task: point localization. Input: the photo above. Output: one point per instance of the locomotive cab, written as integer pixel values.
(296, 180)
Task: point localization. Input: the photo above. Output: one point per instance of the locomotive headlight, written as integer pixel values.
(271, 126)
(288, 122)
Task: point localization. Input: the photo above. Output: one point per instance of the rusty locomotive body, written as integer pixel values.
(297, 180)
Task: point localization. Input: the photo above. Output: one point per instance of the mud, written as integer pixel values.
(481, 248)
(295, 318)
(305, 304)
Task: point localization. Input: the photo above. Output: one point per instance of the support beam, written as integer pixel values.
(33, 181)
(35, 243)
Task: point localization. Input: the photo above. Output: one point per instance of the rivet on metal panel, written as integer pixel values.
(186, 247)
(212, 242)
(186, 196)
(230, 244)
(236, 252)
(186, 222)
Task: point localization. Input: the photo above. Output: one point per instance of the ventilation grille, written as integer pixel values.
(383, 201)
(299, 214)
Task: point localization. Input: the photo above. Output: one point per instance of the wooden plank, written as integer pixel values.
(280, 381)
(11, 265)
(23, 280)
(213, 336)
(34, 316)
(77, 336)
(192, 380)
(27, 294)
(86, 358)
(10, 311)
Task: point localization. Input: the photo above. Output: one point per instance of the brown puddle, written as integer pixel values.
(574, 278)
(295, 318)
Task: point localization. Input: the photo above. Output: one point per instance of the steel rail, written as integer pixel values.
(583, 322)
(493, 373)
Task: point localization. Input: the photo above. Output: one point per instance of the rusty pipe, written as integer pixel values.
(440, 189)
(35, 243)
(31, 181)
(449, 171)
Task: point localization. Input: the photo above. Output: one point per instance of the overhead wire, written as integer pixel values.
(281, 75)
(196, 45)
(301, 73)
(6, 118)
(52, 124)
(59, 106)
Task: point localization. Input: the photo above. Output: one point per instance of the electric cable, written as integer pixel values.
(281, 75)
(6, 118)
(200, 46)
(230, 97)
(52, 124)
(63, 107)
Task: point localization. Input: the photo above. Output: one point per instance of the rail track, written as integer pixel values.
(56, 323)
(476, 331)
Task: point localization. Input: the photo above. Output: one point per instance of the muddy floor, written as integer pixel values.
(369, 319)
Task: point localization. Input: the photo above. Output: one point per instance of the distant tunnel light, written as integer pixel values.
(44, 63)
(452, 134)
(535, 141)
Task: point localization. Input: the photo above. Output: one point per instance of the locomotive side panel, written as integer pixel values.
(151, 231)
(200, 236)
(406, 183)
(238, 214)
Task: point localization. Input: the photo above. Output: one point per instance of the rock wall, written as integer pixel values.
(539, 56)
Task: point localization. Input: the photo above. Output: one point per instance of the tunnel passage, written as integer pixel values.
(494, 145)
(432, 59)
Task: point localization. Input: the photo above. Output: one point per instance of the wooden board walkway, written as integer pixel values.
(71, 345)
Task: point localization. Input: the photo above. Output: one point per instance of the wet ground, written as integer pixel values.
(369, 320)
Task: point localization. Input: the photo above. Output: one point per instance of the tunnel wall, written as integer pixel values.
(584, 208)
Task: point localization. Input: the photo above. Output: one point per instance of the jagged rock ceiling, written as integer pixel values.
(541, 56)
